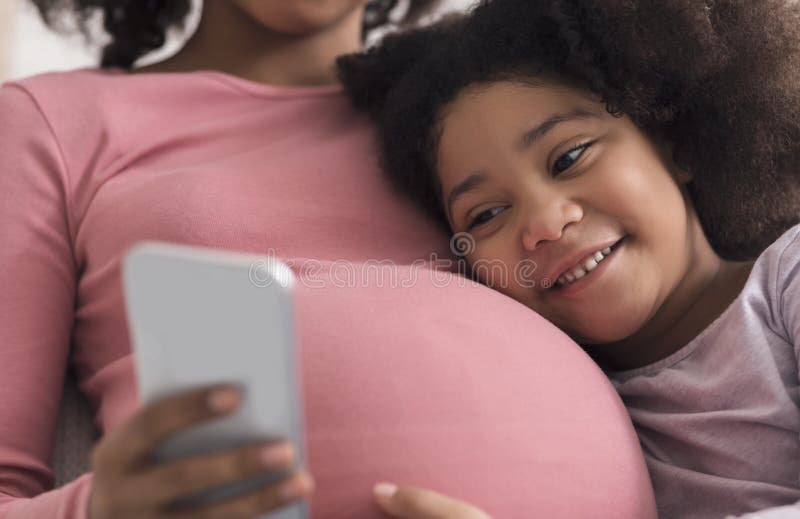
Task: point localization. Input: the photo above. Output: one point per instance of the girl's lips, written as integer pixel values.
(591, 276)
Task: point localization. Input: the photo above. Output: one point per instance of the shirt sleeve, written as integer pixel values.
(788, 287)
(782, 512)
(38, 279)
(788, 298)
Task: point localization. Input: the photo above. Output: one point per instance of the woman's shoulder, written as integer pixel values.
(70, 101)
(114, 92)
(85, 117)
(93, 90)
(74, 88)
(67, 79)
(111, 108)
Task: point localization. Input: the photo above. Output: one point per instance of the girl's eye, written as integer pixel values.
(566, 160)
(485, 216)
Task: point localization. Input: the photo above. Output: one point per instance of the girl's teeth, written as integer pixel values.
(588, 266)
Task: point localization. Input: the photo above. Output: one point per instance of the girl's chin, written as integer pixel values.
(601, 335)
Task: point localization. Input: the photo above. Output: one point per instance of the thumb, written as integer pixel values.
(419, 503)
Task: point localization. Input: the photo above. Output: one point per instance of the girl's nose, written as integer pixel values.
(545, 221)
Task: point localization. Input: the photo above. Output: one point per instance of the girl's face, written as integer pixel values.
(298, 17)
(543, 179)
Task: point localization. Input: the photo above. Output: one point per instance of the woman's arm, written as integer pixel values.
(37, 299)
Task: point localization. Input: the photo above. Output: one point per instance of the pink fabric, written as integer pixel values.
(455, 387)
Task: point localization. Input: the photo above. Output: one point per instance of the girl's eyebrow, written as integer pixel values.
(539, 131)
(468, 184)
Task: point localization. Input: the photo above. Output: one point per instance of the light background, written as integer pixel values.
(27, 47)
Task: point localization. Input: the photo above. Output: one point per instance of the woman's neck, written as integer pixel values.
(228, 40)
(708, 287)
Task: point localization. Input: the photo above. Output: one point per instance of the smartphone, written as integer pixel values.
(202, 316)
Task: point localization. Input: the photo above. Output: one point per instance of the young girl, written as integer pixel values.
(641, 154)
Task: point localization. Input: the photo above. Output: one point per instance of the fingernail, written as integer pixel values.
(385, 489)
(276, 455)
(222, 400)
(296, 487)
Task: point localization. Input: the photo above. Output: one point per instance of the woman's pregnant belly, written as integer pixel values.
(425, 378)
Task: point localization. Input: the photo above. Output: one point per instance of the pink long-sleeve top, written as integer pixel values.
(450, 386)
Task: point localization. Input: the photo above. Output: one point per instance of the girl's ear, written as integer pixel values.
(369, 76)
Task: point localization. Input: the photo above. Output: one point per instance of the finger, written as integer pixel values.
(255, 503)
(136, 440)
(179, 479)
(418, 503)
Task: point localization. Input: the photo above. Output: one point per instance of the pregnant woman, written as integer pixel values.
(244, 141)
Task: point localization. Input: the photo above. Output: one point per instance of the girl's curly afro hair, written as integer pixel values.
(137, 27)
(718, 80)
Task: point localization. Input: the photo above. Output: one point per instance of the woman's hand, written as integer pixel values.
(419, 503)
(129, 484)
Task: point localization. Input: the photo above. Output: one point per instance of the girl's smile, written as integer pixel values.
(587, 271)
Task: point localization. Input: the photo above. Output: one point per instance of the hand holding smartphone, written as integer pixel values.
(200, 318)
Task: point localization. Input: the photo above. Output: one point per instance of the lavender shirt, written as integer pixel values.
(719, 419)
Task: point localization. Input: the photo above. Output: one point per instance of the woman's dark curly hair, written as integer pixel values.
(137, 27)
(717, 80)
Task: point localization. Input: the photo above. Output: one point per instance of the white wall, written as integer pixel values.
(33, 48)
(6, 20)
(27, 47)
